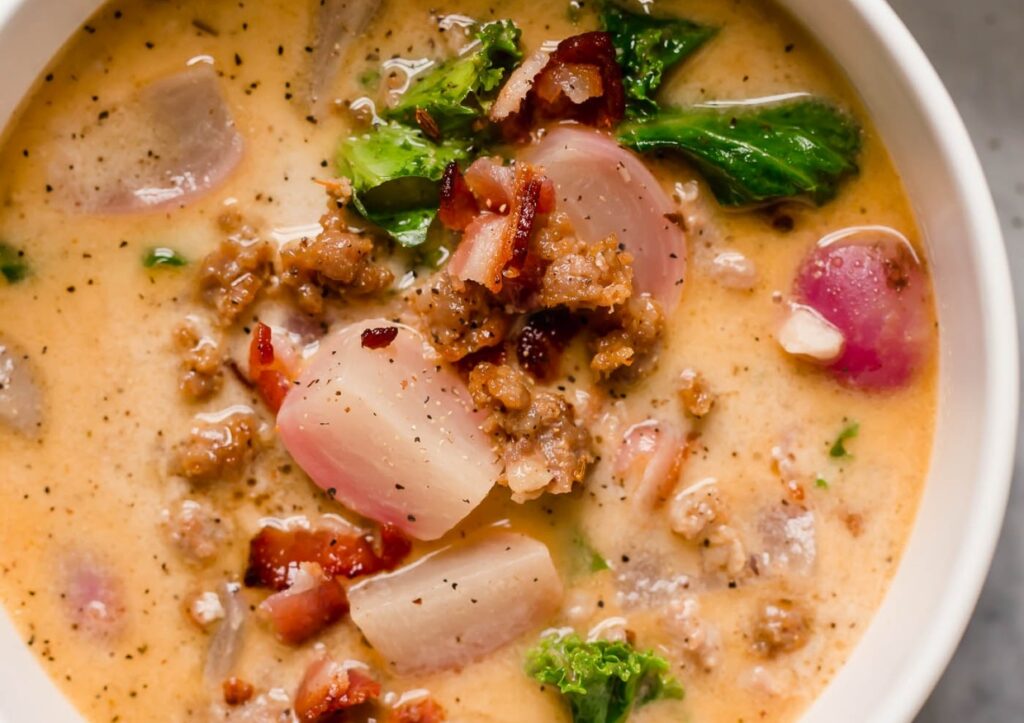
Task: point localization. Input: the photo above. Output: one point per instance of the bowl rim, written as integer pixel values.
(967, 575)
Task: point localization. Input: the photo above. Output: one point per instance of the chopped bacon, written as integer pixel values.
(422, 710)
(330, 687)
(495, 247)
(581, 80)
(379, 337)
(543, 339)
(265, 370)
(313, 602)
(458, 206)
(236, 691)
(339, 553)
(492, 182)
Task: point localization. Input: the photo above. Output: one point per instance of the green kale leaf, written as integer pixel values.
(849, 432)
(459, 91)
(13, 266)
(602, 680)
(163, 256)
(759, 153)
(647, 48)
(395, 171)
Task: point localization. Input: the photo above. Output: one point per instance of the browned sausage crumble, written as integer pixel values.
(219, 449)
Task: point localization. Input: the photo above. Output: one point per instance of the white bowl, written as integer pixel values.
(915, 632)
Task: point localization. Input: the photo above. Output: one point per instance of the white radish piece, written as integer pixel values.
(808, 335)
(336, 24)
(606, 190)
(389, 431)
(172, 142)
(21, 402)
(458, 605)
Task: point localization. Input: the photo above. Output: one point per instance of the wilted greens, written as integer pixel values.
(647, 48)
(163, 256)
(759, 153)
(601, 680)
(13, 266)
(459, 91)
(395, 172)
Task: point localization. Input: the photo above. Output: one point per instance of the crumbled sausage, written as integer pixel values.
(544, 450)
(217, 449)
(421, 710)
(695, 394)
(694, 636)
(460, 317)
(337, 261)
(723, 552)
(693, 511)
(780, 626)
(231, 276)
(586, 276)
(628, 334)
(196, 530)
(202, 372)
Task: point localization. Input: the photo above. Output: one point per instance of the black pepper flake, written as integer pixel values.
(789, 47)
(238, 59)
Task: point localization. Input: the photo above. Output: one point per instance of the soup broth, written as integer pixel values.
(742, 504)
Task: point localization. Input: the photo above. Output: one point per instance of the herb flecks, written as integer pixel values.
(13, 264)
(163, 256)
(838, 449)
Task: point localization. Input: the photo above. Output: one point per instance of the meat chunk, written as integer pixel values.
(422, 710)
(460, 317)
(543, 448)
(311, 603)
(723, 553)
(338, 261)
(237, 691)
(196, 530)
(330, 687)
(231, 276)
(202, 373)
(218, 446)
(274, 551)
(695, 394)
(694, 636)
(628, 334)
(587, 276)
(780, 626)
(693, 510)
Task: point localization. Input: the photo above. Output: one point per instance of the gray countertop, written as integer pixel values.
(978, 48)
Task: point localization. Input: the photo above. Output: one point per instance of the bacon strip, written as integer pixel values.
(265, 371)
(545, 336)
(273, 550)
(581, 80)
(458, 206)
(329, 687)
(310, 605)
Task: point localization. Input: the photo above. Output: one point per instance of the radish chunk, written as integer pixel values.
(869, 284)
(459, 604)
(388, 432)
(809, 335)
(606, 190)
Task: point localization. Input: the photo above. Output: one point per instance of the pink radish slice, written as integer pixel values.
(869, 284)
(389, 432)
(93, 596)
(605, 190)
(21, 401)
(649, 460)
(459, 604)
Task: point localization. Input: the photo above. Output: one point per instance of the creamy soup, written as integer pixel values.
(410, 361)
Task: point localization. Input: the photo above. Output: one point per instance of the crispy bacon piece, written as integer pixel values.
(495, 247)
(458, 206)
(236, 691)
(543, 339)
(582, 80)
(492, 183)
(265, 370)
(378, 337)
(423, 710)
(273, 550)
(313, 602)
(329, 687)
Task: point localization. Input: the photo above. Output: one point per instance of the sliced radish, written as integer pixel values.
(459, 604)
(869, 284)
(605, 190)
(649, 460)
(389, 432)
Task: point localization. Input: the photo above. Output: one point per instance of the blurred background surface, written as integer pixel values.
(978, 48)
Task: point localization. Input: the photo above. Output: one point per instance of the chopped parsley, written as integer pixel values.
(13, 265)
(163, 256)
(849, 432)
